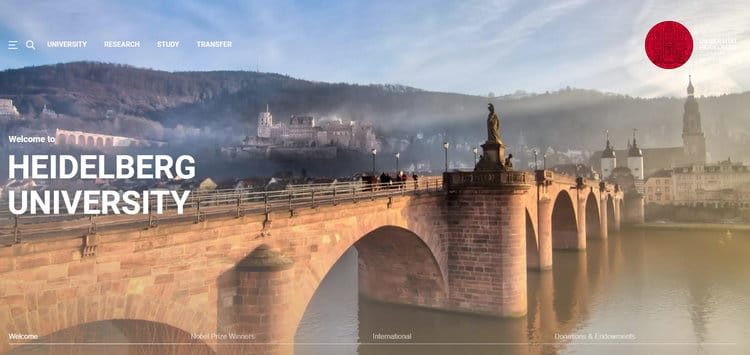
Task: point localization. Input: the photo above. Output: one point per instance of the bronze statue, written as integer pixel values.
(493, 126)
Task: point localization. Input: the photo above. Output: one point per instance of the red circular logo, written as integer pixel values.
(669, 44)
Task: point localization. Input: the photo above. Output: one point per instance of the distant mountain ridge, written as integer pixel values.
(228, 102)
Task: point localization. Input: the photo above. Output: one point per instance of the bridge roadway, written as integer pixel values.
(462, 244)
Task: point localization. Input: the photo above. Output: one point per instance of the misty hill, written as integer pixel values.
(224, 105)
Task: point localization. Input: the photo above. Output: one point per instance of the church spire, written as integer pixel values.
(693, 140)
(634, 151)
(608, 151)
(691, 118)
(606, 134)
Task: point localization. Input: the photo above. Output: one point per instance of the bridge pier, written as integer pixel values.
(263, 305)
(487, 243)
(603, 232)
(581, 221)
(544, 231)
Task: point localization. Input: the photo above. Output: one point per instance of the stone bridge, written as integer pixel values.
(98, 140)
(465, 248)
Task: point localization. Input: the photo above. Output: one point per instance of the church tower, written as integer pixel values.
(608, 160)
(693, 140)
(265, 122)
(635, 159)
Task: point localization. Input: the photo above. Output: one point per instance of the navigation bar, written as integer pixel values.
(166, 43)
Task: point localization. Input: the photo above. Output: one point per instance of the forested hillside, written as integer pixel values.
(170, 105)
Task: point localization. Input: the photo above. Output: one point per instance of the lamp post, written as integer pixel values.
(445, 146)
(397, 155)
(536, 164)
(374, 152)
(475, 150)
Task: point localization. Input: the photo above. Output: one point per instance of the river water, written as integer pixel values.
(651, 292)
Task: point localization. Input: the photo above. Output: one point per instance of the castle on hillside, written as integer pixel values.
(304, 136)
(302, 131)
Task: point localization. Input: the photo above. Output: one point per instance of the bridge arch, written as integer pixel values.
(396, 265)
(402, 259)
(592, 217)
(68, 313)
(564, 222)
(90, 141)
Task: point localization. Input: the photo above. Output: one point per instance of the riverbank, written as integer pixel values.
(694, 226)
(696, 215)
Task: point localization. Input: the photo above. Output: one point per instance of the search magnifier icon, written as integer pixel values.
(30, 45)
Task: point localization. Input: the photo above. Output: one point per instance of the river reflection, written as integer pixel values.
(675, 292)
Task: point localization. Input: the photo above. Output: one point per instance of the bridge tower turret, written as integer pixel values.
(635, 159)
(608, 161)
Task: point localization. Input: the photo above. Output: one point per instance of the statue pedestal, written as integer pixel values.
(492, 158)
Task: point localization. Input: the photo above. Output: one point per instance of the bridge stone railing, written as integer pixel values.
(205, 204)
(486, 179)
(495, 179)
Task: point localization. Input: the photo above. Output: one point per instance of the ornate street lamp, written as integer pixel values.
(397, 155)
(536, 164)
(445, 146)
(374, 152)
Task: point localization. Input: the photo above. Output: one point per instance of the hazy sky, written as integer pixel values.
(464, 46)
